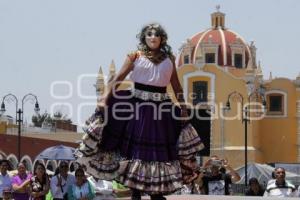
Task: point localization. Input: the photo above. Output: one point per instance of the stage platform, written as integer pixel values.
(205, 197)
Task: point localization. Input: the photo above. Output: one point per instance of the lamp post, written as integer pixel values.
(246, 118)
(19, 113)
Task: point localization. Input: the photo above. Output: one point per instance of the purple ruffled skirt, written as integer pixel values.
(139, 141)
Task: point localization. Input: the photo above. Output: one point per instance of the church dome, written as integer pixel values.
(217, 45)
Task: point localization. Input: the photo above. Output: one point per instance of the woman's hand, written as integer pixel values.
(35, 194)
(225, 163)
(101, 103)
(207, 163)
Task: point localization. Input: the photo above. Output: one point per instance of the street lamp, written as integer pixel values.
(246, 117)
(19, 113)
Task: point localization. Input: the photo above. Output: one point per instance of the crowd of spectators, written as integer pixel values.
(214, 177)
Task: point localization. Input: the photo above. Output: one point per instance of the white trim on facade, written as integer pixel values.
(2, 155)
(298, 129)
(247, 47)
(211, 98)
(186, 51)
(223, 46)
(53, 163)
(13, 160)
(28, 160)
(203, 74)
(197, 46)
(36, 160)
(234, 148)
(238, 48)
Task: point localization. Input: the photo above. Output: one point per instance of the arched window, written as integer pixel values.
(2, 155)
(27, 162)
(13, 160)
(51, 165)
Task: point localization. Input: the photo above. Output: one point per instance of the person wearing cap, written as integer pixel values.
(5, 181)
(254, 188)
(61, 181)
(280, 187)
(216, 182)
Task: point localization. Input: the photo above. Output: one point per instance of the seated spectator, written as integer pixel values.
(81, 189)
(20, 183)
(215, 182)
(255, 189)
(5, 181)
(280, 187)
(190, 173)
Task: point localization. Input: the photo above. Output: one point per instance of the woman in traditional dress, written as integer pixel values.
(139, 136)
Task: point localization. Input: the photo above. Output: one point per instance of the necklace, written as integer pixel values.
(155, 57)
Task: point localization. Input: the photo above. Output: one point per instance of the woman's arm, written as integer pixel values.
(235, 177)
(21, 188)
(114, 84)
(178, 90)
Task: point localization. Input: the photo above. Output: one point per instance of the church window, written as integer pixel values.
(210, 58)
(275, 104)
(238, 60)
(200, 92)
(186, 59)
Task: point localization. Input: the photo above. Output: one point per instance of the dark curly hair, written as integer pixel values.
(164, 47)
(45, 175)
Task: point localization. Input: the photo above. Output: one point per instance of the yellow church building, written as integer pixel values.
(218, 68)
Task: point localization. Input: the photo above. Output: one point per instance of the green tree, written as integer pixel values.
(59, 116)
(39, 119)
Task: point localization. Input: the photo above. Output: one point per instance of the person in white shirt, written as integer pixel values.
(103, 189)
(60, 183)
(280, 187)
(5, 180)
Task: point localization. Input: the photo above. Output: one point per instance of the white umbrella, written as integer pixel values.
(59, 152)
(263, 173)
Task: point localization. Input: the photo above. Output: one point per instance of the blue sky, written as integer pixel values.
(42, 42)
